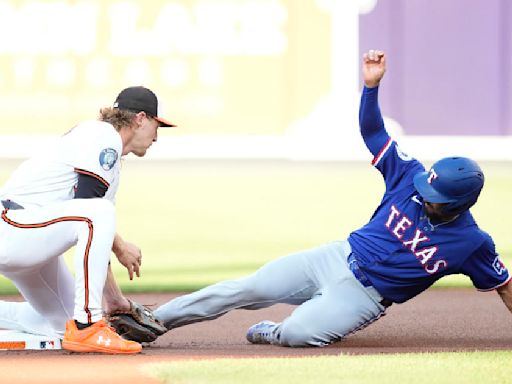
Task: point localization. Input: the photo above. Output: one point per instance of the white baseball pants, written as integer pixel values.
(332, 302)
(32, 242)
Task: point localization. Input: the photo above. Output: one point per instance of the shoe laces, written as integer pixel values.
(264, 332)
(104, 324)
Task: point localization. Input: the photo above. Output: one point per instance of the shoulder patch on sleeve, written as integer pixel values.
(108, 158)
(498, 266)
(401, 154)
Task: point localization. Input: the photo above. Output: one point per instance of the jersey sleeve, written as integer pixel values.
(485, 269)
(89, 187)
(371, 122)
(397, 168)
(94, 150)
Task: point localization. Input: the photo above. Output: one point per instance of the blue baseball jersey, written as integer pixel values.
(401, 251)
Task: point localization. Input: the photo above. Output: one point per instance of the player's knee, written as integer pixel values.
(294, 334)
(255, 289)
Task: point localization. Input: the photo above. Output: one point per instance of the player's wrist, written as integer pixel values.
(371, 84)
(116, 304)
(118, 245)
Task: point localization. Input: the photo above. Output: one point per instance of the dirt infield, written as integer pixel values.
(437, 320)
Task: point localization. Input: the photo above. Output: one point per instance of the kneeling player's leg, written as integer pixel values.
(31, 237)
(90, 225)
(21, 316)
(49, 292)
(87, 223)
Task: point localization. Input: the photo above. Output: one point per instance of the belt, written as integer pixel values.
(9, 204)
(362, 278)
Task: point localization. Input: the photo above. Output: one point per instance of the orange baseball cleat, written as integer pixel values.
(98, 337)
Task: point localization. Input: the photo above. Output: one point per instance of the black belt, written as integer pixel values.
(362, 278)
(9, 204)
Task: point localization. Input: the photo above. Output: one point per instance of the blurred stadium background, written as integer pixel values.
(267, 158)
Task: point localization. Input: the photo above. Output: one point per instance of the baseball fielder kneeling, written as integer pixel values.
(63, 197)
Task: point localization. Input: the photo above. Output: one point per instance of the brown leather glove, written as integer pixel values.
(139, 324)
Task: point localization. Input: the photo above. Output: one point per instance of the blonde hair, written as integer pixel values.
(119, 118)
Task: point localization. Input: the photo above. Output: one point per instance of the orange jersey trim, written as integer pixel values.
(87, 248)
(84, 172)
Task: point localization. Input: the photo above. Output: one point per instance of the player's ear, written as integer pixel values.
(139, 118)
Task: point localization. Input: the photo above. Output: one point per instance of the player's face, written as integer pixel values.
(434, 211)
(145, 134)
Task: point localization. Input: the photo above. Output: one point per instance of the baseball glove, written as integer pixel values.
(139, 324)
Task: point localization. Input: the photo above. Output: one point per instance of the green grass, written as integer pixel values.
(198, 222)
(424, 368)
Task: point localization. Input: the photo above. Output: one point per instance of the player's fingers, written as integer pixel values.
(130, 272)
(136, 270)
(374, 55)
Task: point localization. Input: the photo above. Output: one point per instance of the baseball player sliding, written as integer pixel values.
(421, 231)
(63, 197)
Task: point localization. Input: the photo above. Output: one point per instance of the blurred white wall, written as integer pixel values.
(241, 78)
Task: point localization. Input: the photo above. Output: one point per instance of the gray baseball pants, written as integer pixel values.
(332, 303)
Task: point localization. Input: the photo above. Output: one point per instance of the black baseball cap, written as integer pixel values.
(141, 99)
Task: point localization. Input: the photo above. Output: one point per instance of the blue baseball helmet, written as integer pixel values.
(456, 181)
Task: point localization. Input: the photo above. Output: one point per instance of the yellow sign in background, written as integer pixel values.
(218, 66)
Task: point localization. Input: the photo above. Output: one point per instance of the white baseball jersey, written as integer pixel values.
(33, 239)
(93, 148)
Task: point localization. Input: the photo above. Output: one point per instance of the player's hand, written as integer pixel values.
(374, 66)
(130, 256)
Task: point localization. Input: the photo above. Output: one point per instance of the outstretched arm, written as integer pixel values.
(370, 117)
